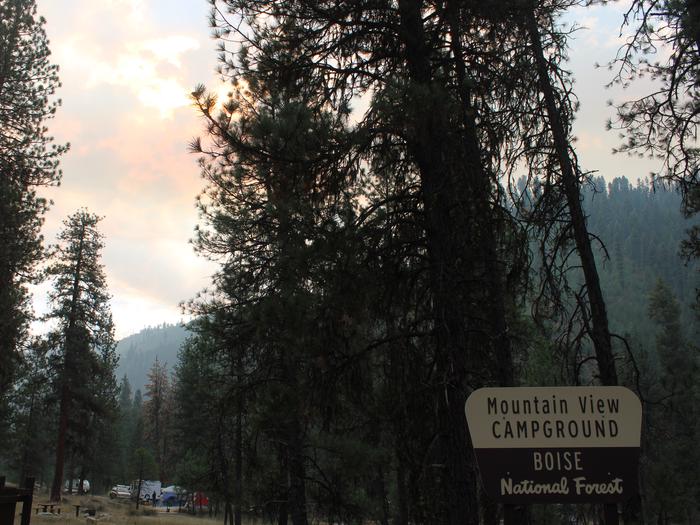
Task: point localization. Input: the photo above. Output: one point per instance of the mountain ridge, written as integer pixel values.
(138, 351)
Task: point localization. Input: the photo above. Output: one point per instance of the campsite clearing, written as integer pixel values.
(116, 512)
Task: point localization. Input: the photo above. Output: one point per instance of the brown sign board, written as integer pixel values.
(556, 444)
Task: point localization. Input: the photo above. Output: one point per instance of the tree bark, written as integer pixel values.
(297, 475)
(61, 445)
(467, 287)
(401, 493)
(238, 467)
(138, 489)
(81, 481)
(223, 469)
(29, 432)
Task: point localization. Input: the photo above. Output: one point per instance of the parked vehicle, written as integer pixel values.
(120, 491)
(73, 488)
(148, 487)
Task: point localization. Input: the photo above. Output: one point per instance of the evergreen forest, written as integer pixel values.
(392, 197)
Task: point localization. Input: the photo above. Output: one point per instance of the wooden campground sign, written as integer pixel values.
(556, 444)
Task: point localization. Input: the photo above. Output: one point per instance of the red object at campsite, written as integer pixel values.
(200, 500)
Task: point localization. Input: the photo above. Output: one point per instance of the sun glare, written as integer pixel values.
(165, 95)
(223, 93)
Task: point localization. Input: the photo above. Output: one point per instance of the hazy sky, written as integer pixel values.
(127, 67)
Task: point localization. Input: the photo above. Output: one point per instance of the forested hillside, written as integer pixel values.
(642, 229)
(137, 352)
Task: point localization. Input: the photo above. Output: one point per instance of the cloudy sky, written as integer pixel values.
(127, 67)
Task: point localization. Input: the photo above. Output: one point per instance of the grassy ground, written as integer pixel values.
(112, 512)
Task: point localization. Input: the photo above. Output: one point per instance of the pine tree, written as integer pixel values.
(136, 439)
(425, 114)
(691, 246)
(95, 426)
(277, 210)
(28, 160)
(678, 366)
(144, 467)
(84, 350)
(125, 428)
(206, 420)
(672, 422)
(664, 122)
(157, 409)
(539, 26)
(457, 93)
(27, 447)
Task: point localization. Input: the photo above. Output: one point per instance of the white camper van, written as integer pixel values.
(148, 487)
(72, 488)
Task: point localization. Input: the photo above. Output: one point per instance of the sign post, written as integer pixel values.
(557, 444)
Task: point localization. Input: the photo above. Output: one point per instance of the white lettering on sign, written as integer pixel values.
(588, 489)
(528, 487)
(550, 461)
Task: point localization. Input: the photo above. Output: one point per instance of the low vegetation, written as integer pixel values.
(112, 512)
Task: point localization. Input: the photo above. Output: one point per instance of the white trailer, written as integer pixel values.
(148, 487)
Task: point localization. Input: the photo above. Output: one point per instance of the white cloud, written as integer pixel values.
(127, 66)
(159, 275)
(170, 48)
(151, 70)
(132, 12)
(134, 311)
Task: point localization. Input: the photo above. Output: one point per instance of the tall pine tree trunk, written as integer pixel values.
(297, 478)
(70, 347)
(401, 490)
(238, 458)
(494, 270)
(25, 471)
(599, 330)
(290, 356)
(282, 509)
(296, 466)
(400, 433)
(61, 445)
(224, 470)
(467, 288)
